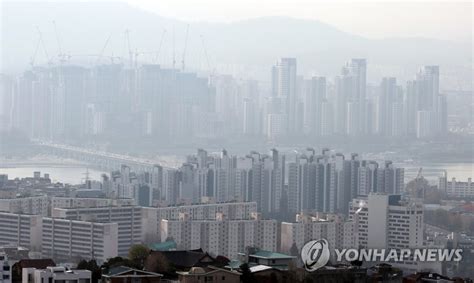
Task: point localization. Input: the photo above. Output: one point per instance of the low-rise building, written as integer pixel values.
(208, 274)
(123, 274)
(9, 256)
(6, 264)
(55, 274)
(276, 260)
(182, 260)
(22, 267)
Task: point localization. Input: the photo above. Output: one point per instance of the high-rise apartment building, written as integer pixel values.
(221, 236)
(68, 101)
(331, 227)
(6, 102)
(351, 105)
(128, 219)
(388, 112)
(315, 96)
(21, 230)
(74, 240)
(284, 86)
(385, 221)
(328, 182)
(153, 216)
(455, 188)
(430, 105)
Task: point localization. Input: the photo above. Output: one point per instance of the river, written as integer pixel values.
(59, 169)
(73, 172)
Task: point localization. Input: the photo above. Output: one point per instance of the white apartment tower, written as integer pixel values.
(387, 221)
(331, 227)
(284, 86)
(128, 219)
(221, 236)
(72, 240)
(21, 230)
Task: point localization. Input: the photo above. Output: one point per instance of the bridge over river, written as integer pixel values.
(102, 159)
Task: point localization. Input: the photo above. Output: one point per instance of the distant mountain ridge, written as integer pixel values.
(248, 47)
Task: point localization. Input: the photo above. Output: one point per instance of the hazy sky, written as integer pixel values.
(442, 20)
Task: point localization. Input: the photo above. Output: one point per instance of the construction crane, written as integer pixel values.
(40, 42)
(159, 47)
(112, 58)
(205, 53)
(33, 58)
(184, 49)
(101, 54)
(419, 175)
(418, 183)
(211, 70)
(138, 53)
(61, 55)
(174, 49)
(130, 53)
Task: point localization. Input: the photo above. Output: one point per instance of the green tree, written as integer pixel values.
(82, 264)
(91, 265)
(137, 254)
(117, 261)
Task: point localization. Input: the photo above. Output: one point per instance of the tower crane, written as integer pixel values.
(184, 49)
(40, 42)
(159, 47)
(33, 58)
(138, 53)
(130, 53)
(205, 52)
(174, 49)
(111, 57)
(211, 70)
(419, 174)
(101, 54)
(418, 183)
(61, 56)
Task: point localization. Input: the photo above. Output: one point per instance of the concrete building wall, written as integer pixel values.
(72, 240)
(21, 230)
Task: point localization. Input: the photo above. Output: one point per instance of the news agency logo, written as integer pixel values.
(315, 254)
